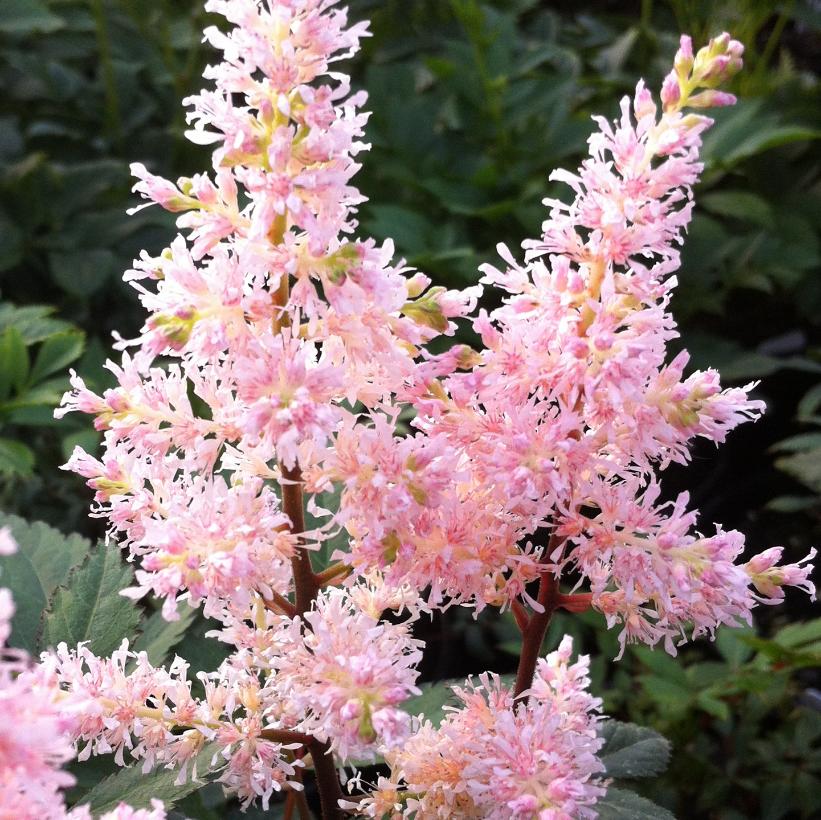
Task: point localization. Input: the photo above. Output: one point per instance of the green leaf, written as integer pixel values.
(668, 694)
(33, 321)
(633, 751)
(43, 561)
(14, 361)
(137, 789)
(804, 467)
(799, 634)
(27, 17)
(731, 647)
(739, 205)
(159, 636)
(410, 230)
(16, 459)
(90, 607)
(713, 705)
(83, 273)
(747, 130)
(431, 703)
(202, 654)
(620, 804)
(56, 353)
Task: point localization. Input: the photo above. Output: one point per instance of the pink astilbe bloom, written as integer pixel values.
(571, 411)
(345, 675)
(497, 757)
(33, 740)
(282, 354)
(277, 320)
(35, 728)
(137, 713)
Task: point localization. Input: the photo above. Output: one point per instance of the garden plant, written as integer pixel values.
(297, 448)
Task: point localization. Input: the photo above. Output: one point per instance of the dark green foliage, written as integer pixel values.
(89, 608)
(138, 790)
(43, 562)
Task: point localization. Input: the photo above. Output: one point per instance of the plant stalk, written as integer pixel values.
(534, 631)
(306, 588)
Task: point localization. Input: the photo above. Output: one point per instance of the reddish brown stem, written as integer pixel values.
(280, 605)
(299, 799)
(286, 736)
(305, 583)
(327, 781)
(334, 574)
(579, 602)
(306, 588)
(520, 614)
(533, 635)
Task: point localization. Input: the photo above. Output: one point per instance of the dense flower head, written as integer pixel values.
(283, 354)
(295, 346)
(345, 675)
(496, 756)
(131, 709)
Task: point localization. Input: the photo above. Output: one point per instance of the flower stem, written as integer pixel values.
(285, 736)
(306, 588)
(533, 634)
(327, 782)
(280, 605)
(333, 574)
(305, 583)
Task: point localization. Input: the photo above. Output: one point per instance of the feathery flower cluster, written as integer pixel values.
(336, 673)
(35, 725)
(277, 356)
(498, 757)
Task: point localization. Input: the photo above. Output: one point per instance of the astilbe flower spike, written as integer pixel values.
(278, 353)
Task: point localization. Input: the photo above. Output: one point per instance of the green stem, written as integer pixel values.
(772, 42)
(113, 124)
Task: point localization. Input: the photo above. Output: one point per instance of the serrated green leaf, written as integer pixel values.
(90, 607)
(56, 353)
(44, 559)
(739, 205)
(667, 693)
(12, 246)
(34, 322)
(137, 789)
(620, 804)
(633, 751)
(731, 647)
(159, 636)
(711, 703)
(202, 654)
(799, 634)
(321, 558)
(16, 459)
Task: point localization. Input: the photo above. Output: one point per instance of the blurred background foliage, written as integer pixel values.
(474, 103)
